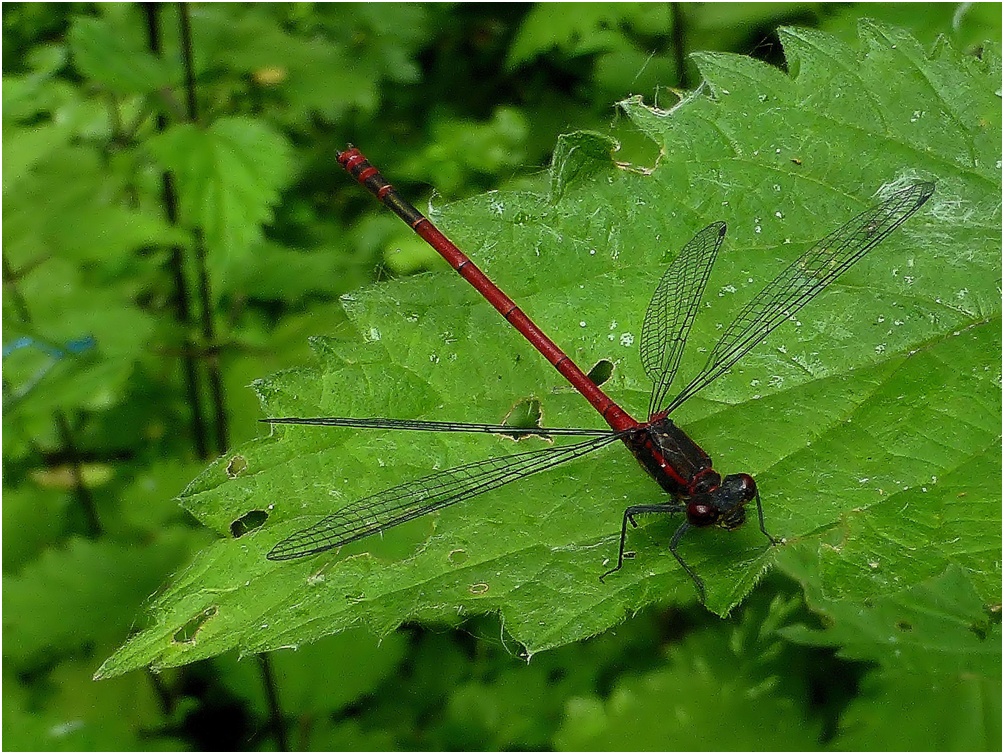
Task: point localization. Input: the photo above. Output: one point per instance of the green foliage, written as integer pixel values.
(228, 177)
(936, 646)
(107, 53)
(833, 381)
(137, 310)
(96, 602)
(719, 690)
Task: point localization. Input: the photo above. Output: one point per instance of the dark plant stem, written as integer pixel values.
(164, 695)
(11, 289)
(205, 299)
(276, 721)
(679, 44)
(191, 103)
(81, 492)
(182, 298)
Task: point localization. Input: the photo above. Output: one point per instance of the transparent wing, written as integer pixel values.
(434, 426)
(416, 498)
(672, 309)
(804, 279)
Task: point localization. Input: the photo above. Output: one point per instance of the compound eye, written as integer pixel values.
(701, 514)
(748, 487)
(739, 488)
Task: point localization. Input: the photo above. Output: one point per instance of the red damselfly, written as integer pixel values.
(665, 451)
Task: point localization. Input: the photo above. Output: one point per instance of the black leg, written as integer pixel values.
(629, 514)
(684, 527)
(759, 512)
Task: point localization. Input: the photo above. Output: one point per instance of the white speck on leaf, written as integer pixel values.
(64, 729)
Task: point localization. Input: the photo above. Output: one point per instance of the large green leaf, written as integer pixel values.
(879, 391)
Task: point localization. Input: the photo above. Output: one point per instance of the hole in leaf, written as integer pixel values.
(456, 557)
(601, 372)
(524, 415)
(903, 625)
(983, 628)
(186, 634)
(478, 589)
(247, 523)
(238, 464)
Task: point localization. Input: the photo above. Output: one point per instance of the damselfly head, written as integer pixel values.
(730, 499)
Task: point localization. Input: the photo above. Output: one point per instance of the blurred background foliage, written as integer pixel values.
(129, 342)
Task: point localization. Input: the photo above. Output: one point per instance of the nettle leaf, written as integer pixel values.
(229, 176)
(884, 386)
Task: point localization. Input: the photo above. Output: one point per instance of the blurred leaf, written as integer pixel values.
(72, 713)
(629, 41)
(35, 517)
(901, 711)
(86, 593)
(938, 649)
(461, 150)
(338, 62)
(95, 378)
(304, 675)
(721, 689)
(583, 28)
(966, 24)
(112, 51)
(272, 272)
(408, 254)
(148, 502)
(937, 627)
(71, 205)
(534, 551)
(741, 27)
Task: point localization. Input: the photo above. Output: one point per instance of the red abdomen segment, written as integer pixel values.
(677, 463)
(358, 166)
